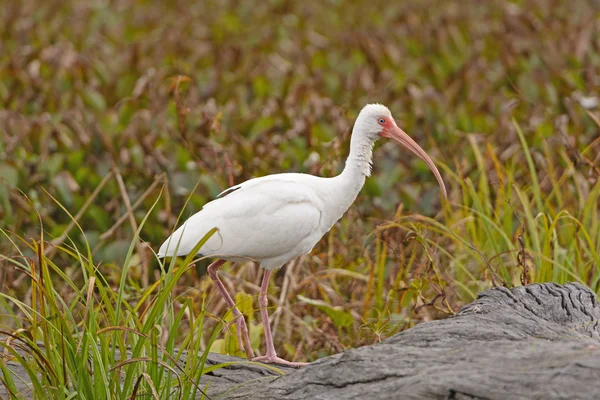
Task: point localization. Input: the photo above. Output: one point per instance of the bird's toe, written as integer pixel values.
(278, 360)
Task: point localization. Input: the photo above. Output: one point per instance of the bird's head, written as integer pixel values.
(375, 121)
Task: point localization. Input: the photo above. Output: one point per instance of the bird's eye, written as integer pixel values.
(382, 121)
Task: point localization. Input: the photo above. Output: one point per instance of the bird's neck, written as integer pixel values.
(357, 169)
(360, 158)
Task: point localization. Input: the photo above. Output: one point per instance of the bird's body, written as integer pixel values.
(271, 220)
(276, 218)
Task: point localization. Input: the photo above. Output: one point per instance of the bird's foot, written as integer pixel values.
(278, 360)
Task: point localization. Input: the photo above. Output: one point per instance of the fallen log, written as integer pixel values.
(541, 341)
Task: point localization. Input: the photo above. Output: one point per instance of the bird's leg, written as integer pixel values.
(271, 356)
(263, 302)
(242, 329)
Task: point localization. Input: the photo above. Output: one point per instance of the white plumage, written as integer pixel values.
(270, 220)
(276, 218)
(250, 230)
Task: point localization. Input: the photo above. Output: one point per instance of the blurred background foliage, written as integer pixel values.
(106, 103)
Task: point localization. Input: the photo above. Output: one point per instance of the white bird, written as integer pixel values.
(276, 218)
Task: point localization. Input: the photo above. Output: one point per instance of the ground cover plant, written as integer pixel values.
(114, 116)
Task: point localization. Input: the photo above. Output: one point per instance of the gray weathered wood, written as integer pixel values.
(533, 342)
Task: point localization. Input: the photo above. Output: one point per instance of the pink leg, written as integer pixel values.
(271, 356)
(242, 329)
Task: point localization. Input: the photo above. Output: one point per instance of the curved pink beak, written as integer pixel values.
(394, 132)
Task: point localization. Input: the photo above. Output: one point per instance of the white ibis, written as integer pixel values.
(276, 218)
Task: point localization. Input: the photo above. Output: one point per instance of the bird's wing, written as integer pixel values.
(263, 220)
(285, 177)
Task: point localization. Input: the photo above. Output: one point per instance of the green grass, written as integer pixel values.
(97, 342)
(116, 121)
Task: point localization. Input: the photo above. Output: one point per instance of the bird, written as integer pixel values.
(275, 218)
